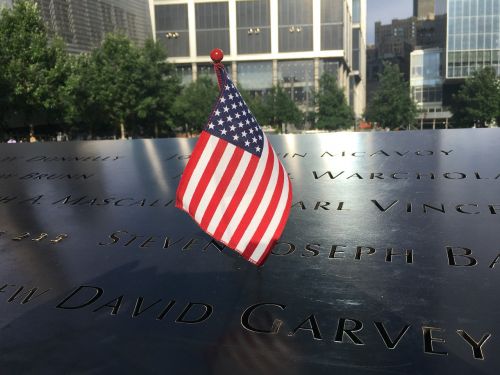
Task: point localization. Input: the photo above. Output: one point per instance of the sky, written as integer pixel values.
(387, 10)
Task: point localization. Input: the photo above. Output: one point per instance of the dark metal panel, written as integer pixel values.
(388, 264)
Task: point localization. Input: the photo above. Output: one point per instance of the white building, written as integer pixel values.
(291, 42)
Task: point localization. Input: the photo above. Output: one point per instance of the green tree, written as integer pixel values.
(83, 113)
(121, 88)
(113, 73)
(392, 106)
(33, 67)
(333, 111)
(193, 106)
(159, 86)
(279, 109)
(478, 100)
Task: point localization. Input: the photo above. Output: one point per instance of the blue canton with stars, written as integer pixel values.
(232, 121)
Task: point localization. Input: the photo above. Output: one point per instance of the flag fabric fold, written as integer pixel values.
(234, 186)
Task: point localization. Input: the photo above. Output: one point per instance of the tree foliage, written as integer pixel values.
(278, 109)
(392, 106)
(478, 100)
(158, 88)
(33, 67)
(193, 106)
(333, 111)
(121, 88)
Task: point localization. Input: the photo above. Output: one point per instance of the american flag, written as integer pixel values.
(234, 185)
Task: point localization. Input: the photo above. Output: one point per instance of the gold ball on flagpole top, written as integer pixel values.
(216, 55)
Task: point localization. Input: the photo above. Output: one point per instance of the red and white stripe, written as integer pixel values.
(238, 198)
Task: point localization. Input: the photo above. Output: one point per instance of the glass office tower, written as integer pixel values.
(426, 84)
(473, 36)
(83, 23)
(266, 42)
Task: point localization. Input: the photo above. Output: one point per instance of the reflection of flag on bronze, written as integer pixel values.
(234, 185)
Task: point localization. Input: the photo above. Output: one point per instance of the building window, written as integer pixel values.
(332, 28)
(207, 70)
(107, 18)
(185, 73)
(355, 49)
(63, 20)
(95, 22)
(254, 26)
(295, 25)
(255, 77)
(356, 11)
(297, 77)
(212, 27)
(131, 29)
(428, 94)
(352, 90)
(119, 19)
(329, 67)
(172, 29)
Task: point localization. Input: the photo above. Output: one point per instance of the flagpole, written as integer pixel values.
(217, 55)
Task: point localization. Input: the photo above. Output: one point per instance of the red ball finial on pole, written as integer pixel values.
(216, 55)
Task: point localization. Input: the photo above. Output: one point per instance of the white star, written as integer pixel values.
(240, 104)
(251, 131)
(244, 113)
(227, 87)
(229, 118)
(247, 143)
(247, 122)
(226, 109)
(217, 113)
(254, 140)
(235, 137)
(223, 100)
(260, 137)
(230, 96)
(257, 148)
(223, 131)
(233, 105)
(211, 126)
(221, 122)
(253, 119)
(233, 128)
(237, 115)
(244, 134)
(240, 124)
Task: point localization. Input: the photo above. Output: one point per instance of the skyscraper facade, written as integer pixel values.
(266, 42)
(423, 8)
(83, 23)
(394, 42)
(473, 37)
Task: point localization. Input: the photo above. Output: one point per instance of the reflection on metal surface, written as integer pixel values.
(156, 164)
